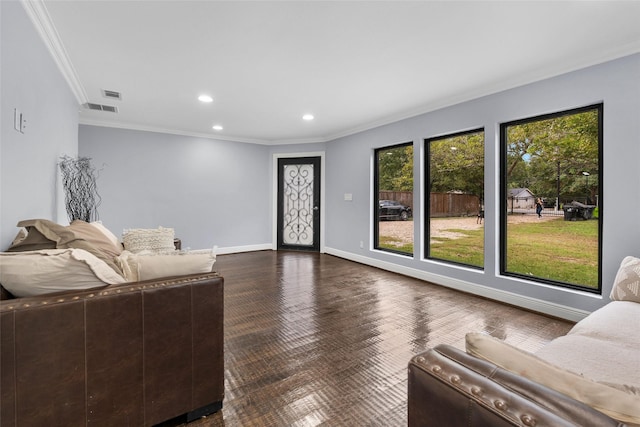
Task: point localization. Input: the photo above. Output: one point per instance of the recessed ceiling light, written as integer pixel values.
(307, 117)
(217, 127)
(205, 98)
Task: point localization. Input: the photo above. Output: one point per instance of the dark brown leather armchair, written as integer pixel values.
(448, 387)
(135, 354)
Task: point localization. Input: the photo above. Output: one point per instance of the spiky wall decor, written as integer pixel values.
(79, 183)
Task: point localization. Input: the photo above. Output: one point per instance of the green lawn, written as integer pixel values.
(565, 251)
(466, 250)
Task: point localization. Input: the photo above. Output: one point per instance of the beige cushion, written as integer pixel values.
(616, 363)
(104, 230)
(95, 237)
(626, 286)
(68, 237)
(153, 266)
(157, 240)
(614, 402)
(30, 239)
(51, 270)
(617, 321)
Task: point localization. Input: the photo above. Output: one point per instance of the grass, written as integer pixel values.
(558, 250)
(388, 242)
(565, 251)
(466, 250)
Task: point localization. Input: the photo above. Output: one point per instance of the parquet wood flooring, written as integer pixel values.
(315, 340)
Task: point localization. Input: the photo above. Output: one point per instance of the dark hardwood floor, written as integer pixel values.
(313, 339)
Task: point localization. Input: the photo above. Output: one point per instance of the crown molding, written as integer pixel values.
(39, 15)
(491, 88)
(218, 137)
(142, 128)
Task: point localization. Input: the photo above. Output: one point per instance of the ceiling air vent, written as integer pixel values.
(100, 107)
(112, 94)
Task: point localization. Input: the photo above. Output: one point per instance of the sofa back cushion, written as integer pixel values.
(32, 273)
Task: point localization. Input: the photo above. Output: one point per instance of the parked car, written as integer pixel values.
(390, 209)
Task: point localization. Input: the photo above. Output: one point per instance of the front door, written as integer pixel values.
(299, 203)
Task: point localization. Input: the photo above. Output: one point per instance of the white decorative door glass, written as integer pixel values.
(298, 203)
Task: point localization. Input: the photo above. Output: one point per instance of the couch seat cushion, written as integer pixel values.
(604, 346)
(622, 405)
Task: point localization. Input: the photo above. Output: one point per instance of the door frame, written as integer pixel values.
(274, 198)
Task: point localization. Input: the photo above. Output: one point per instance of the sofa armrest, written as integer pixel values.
(130, 354)
(450, 387)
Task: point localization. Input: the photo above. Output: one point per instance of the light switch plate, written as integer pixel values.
(348, 197)
(18, 120)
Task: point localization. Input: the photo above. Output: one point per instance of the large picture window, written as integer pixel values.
(551, 199)
(455, 195)
(393, 204)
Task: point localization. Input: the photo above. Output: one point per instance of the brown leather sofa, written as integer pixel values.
(134, 354)
(448, 387)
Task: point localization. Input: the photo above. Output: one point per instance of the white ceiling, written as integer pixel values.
(354, 65)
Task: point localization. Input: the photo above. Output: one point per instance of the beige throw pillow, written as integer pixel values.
(30, 239)
(112, 237)
(67, 237)
(96, 237)
(154, 266)
(626, 286)
(608, 400)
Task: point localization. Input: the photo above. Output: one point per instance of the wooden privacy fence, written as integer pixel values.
(442, 204)
(454, 204)
(404, 197)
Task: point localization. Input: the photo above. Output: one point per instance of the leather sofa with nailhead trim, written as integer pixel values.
(448, 387)
(133, 354)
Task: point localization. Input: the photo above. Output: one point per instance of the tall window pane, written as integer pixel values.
(455, 173)
(552, 198)
(394, 199)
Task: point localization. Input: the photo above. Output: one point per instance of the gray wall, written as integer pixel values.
(211, 192)
(31, 82)
(616, 84)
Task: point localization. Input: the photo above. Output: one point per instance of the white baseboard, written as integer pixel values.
(239, 249)
(534, 304)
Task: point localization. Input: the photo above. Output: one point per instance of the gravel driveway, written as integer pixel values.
(441, 227)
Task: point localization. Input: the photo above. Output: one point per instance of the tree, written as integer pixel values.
(457, 164)
(550, 156)
(395, 169)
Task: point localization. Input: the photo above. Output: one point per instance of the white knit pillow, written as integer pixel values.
(156, 240)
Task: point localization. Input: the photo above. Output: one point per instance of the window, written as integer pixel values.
(393, 204)
(551, 198)
(455, 192)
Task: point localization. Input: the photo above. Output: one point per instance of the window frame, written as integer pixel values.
(427, 196)
(599, 107)
(376, 199)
